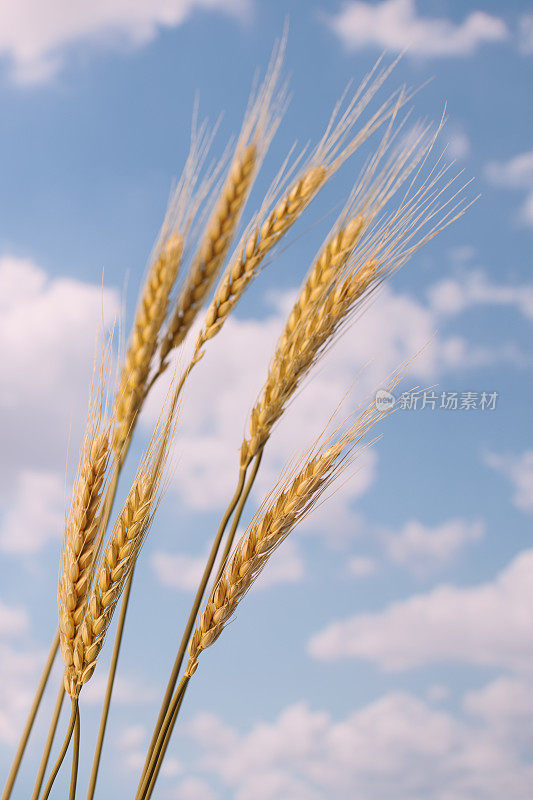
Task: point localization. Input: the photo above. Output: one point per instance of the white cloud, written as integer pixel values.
(525, 34)
(516, 173)
(35, 514)
(459, 145)
(362, 567)
(437, 693)
(193, 789)
(36, 38)
(519, 470)
(452, 296)
(132, 736)
(131, 743)
(396, 746)
(48, 333)
(18, 673)
(506, 705)
(486, 625)
(13, 621)
(422, 548)
(394, 25)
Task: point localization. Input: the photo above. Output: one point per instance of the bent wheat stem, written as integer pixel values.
(15, 766)
(63, 751)
(49, 742)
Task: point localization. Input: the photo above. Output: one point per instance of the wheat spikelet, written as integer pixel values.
(265, 110)
(117, 560)
(329, 299)
(264, 234)
(79, 544)
(263, 238)
(301, 351)
(285, 509)
(331, 260)
(148, 321)
(213, 249)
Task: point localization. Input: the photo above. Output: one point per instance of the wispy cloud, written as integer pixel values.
(452, 296)
(517, 174)
(35, 514)
(396, 24)
(519, 470)
(484, 625)
(422, 548)
(37, 37)
(525, 34)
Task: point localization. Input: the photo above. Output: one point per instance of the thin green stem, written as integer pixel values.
(63, 751)
(75, 757)
(49, 741)
(193, 614)
(109, 688)
(13, 772)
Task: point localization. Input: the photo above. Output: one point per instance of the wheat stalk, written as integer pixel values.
(285, 509)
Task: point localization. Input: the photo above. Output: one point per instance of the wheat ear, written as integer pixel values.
(262, 118)
(316, 319)
(117, 559)
(213, 249)
(300, 351)
(252, 252)
(285, 509)
(147, 325)
(79, 545)
(335, 147)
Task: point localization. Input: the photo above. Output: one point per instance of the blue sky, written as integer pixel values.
(387, 651)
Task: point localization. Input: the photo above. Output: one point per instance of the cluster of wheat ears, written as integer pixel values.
(403, 196)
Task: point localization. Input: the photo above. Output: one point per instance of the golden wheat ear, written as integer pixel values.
(155, 296)
(295, 496)
(81, 541)
(120, 553)
(260, 124)
(364, 248)
(283, 206)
